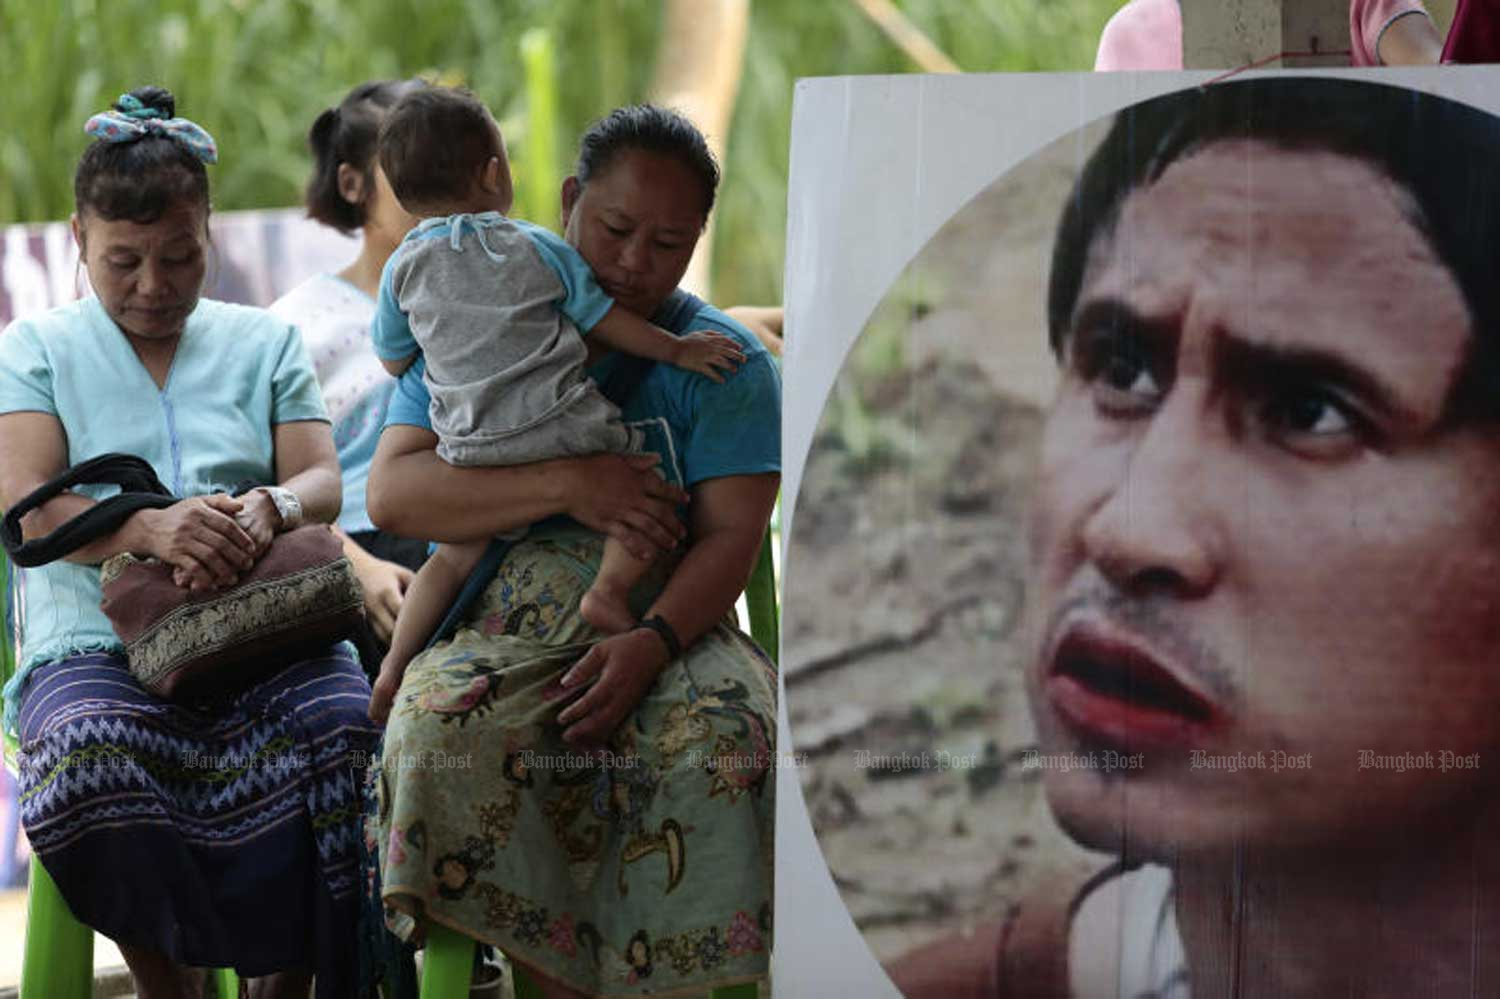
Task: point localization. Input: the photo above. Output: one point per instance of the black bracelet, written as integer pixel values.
(659, 624)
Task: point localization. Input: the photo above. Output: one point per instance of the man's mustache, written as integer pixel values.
(1155, 621)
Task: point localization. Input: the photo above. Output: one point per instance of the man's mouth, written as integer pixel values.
(1110, 688)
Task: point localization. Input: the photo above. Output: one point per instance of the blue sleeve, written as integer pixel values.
(295, 394)
(389, 331)
(411, 401)
(584, 302)
(735, 425)
(25, 371)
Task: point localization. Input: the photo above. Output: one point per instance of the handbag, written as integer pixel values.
(299, 598)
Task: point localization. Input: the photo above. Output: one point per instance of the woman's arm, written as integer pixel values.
(198, 535)
(415, 494)
(1410, 40)
(729, 517)
(307, 465)
(765, 321)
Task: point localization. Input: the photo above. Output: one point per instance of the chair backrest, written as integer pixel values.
(760, 601)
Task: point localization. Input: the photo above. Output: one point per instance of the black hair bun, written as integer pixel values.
(159, 98)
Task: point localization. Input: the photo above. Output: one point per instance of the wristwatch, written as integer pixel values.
(288, 506)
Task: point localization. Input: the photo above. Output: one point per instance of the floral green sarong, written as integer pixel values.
(648, 871)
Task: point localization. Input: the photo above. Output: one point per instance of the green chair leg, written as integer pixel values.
(59, 955)
(228, 983)
(447, 963)
(747, 990)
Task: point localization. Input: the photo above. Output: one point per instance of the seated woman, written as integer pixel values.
(348, 192)
(221, 833)
(599, 808)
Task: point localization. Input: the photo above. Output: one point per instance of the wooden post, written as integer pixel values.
(698, 73)
(1230, 35)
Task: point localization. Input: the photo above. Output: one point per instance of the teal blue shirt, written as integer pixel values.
(237, 372)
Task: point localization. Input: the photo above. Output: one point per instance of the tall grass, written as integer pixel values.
(256, 72)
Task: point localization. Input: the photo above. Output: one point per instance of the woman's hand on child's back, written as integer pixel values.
(712, 355)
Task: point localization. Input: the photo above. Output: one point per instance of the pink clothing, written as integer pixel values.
(1475, 35)
(1368, 20)
(1143, 34)
(1147, 34)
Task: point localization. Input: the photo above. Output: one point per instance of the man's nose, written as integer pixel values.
(1157, 529)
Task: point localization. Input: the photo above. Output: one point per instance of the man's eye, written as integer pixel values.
(122, 263)
(1116, 367)
(615, 230)
(1311, 412)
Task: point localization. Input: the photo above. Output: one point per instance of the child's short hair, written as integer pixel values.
(433, 144)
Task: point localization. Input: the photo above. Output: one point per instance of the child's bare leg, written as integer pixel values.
(606, 605)
(427, 601)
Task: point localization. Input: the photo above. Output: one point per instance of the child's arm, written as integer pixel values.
(428, 599)
(395, 368)
(710, 354)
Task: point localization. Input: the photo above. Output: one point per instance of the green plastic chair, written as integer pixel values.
(448, 957)
(58, 961)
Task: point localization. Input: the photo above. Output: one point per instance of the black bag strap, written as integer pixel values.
(140, 489)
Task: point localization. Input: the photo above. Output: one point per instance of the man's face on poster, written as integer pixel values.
(1256, 530)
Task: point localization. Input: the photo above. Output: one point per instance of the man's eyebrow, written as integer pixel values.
(1116, 314)
(1271, 365)
(1261, 364)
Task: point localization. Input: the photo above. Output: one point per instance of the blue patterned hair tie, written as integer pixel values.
(134, 121)
(131, 106)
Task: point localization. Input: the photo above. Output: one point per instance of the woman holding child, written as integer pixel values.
(217, 833)
(603, 808)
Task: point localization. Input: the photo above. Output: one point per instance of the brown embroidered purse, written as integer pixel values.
(297, 600)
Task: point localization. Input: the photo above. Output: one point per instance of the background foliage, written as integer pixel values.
(256, 72)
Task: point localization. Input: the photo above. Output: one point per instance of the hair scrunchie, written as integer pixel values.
(135, 120)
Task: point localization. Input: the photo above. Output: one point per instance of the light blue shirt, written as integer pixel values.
(237, 372)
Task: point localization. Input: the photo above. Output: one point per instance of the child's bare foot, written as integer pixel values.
(606, 611)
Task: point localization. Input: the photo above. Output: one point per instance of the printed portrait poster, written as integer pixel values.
(1142, 570)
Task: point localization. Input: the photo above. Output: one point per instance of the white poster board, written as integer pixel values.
(878, 165)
